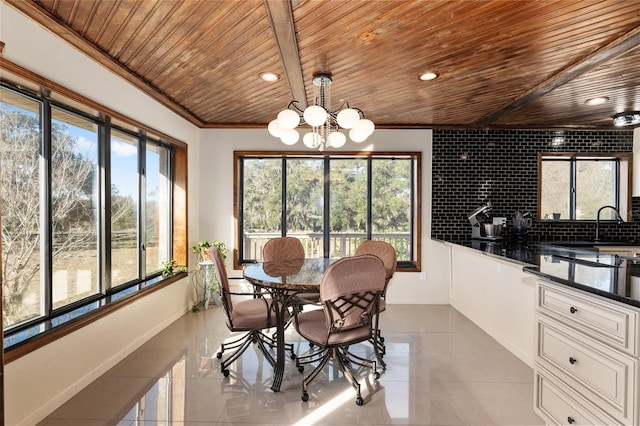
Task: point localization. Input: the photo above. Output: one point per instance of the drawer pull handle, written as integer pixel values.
(572, 360)
(570, 420)
(573, 310)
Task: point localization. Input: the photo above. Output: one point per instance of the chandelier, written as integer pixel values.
(630, 118)
(325, 123)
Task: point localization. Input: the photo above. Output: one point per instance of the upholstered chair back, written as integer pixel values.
(223, 283)
(385, 252)
(283, 248)
(350, 291)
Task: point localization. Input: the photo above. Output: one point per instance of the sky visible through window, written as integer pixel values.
(123, 158)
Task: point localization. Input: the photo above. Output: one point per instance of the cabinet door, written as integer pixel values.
(593, 369)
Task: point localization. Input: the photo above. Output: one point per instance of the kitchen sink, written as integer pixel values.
(625, 249)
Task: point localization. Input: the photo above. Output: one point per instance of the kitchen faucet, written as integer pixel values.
(618, 219)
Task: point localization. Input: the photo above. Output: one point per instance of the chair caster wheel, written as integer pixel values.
(219, 355)
(359, 401)
(293, 356)
(225, 373)
(376, 375)
(301, 368)
(382, 339)
(305, 396)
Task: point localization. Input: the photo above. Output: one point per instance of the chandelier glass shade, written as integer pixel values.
(630, 118)
(326, 125)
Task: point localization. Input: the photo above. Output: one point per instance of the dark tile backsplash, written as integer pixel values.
(473, 167)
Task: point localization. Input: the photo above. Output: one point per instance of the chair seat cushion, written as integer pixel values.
(251, 314)
(307, 298)
(312, 326)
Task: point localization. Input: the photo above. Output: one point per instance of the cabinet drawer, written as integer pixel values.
(603, 320)
(558, 407)
(589, 367)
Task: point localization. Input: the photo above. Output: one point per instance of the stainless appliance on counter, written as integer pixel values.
(521, 225)
(483, 226)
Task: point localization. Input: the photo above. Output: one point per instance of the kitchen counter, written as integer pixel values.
(607, 275)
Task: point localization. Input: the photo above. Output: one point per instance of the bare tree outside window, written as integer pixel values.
(72, 208)
(20, 182)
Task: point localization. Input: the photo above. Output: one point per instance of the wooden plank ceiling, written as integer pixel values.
(501, 64)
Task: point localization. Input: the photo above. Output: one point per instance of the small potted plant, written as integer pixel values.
(202, 249)
(170, 267)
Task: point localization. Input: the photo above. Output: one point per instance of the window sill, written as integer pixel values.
(42, 333)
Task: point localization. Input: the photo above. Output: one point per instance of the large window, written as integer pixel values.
(575, 187)
(331, 202)
(86, 208)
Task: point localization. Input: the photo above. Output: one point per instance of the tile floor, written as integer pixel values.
(442, 370)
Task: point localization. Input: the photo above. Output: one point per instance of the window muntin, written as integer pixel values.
(74, 172)
(21, 180)
(578, 186)
(349, 189)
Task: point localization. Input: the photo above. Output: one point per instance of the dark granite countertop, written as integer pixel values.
(607, 275)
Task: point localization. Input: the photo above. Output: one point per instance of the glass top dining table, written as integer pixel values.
(283, 280)
(297, 275)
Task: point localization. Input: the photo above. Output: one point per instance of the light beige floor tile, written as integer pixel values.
(507, 404)
(442, 370)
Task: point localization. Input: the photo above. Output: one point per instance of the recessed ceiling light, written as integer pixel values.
(630, 118)
(429, 75)
(597, 101)
(269, 76)
(557, 139)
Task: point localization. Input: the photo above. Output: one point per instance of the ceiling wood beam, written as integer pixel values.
(619, 46)
(31, 10)
(281, 20)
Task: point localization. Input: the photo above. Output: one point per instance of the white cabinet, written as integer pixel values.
(587, 358)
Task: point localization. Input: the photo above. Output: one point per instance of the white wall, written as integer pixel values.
(39, 382)
(216, 200)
